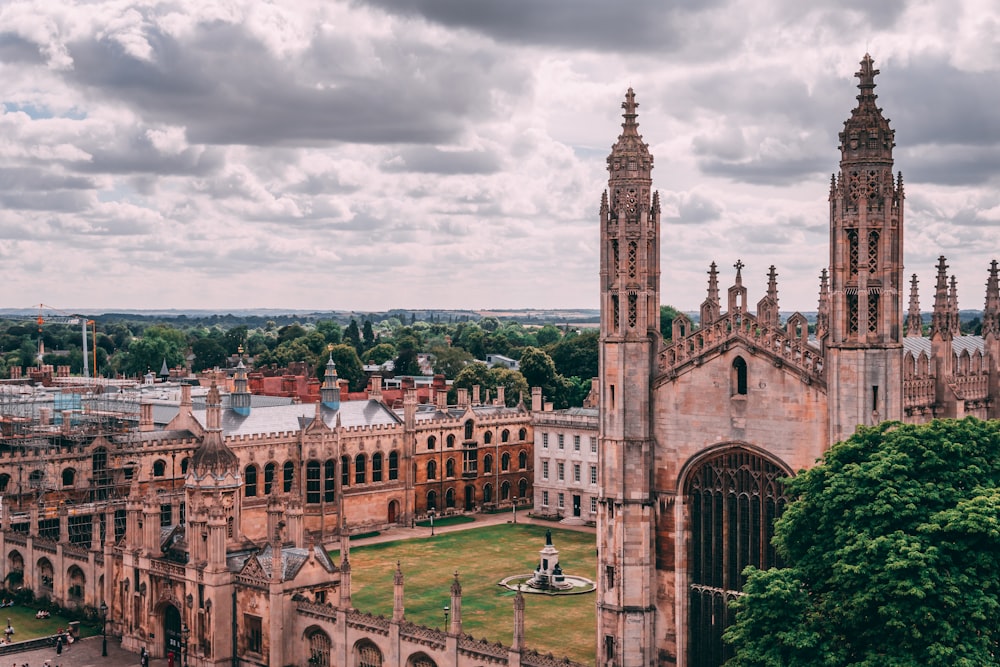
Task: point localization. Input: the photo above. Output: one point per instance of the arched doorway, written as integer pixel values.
(470, 498)
(734, 498)
(393, 511)
(172, 632)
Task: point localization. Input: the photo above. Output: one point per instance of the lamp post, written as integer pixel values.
(104, 629)
(513, 509)
(431, 513)
(185, 632)
(446, 610)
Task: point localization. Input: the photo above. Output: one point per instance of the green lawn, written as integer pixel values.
(26, 626)
(563, 625)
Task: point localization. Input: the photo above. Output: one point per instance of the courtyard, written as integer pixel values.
(562, 625)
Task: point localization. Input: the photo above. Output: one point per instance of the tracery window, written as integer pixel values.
(329, 480)
(632, 312)
(377, 467)
(250, 481)
(319, 649)
(852, 313)
(873, 237)
(631, 259)
(734, 496)
(289, 475)
(312, 482)
(360, 469)
(268, 478)
(852, 251)
(393, 465)
(369, 656)
(873, 308)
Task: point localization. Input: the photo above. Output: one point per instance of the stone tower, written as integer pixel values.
(630, 307)
(864, 343)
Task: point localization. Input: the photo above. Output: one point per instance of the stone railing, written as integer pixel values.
(971, 387)
(918, 392)
(368, 621)
(76, 551)
(533, 659)
(317, 609)
(796, 353)
(16, 538)
(482, 649)
(44, 545)
(169, 569)
(423, 635)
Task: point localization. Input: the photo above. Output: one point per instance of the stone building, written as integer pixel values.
(207, 538)
(566, 464)
(695, 433)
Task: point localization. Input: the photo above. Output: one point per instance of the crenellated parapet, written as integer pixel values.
(787, 346)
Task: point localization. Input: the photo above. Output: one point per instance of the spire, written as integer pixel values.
(397, 598)
(866, 136)
(330, 391)
(991, 313)
(518, 643)
(953, 320)
(239, 401)
(940, 320)
(629, 164)
(914, 323)
(767, 308)
(823, 309)
(738, 293)
(711, 307)
(213, 457)
(456, 606)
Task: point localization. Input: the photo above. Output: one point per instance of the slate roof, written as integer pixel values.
(289, 559)
(290, 418)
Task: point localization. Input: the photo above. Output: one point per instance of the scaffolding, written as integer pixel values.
(35, 417)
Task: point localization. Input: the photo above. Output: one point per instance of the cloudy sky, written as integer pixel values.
(450, 153)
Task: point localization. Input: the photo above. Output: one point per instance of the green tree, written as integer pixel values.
(449, 361)
(332, 332)
(236, 338)
(576, 356)
(547, 335)
(379, 354)
(352, 336)
(208, 353)
(667, 315)
(406, 356)
(368, 334)
(892, 553)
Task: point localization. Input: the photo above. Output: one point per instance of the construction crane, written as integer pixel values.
(56, 316)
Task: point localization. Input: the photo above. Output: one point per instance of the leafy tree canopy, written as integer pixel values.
(348, 366)
(892, 548)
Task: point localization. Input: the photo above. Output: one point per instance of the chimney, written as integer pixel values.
(475, 394)
(536, 399)
(463, 397)
(501, 395)
(375, 388)
(146, 417)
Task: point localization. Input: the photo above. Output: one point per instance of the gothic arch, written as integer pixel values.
(420, 660)
(319, 646)
(367, 654)
(77, 581)
(46, 576)
(731, 496)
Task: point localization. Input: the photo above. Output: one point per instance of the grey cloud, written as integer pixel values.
(431, 160)
(771, 170)
(951, 165)
(930, 102)
(55, 200)
(225, 87)
(694, 209)
(640, 26)
(19, 179)
(135, 153)
(16, 49)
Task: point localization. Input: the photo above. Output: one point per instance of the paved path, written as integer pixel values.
(402, 533)
(84, 653)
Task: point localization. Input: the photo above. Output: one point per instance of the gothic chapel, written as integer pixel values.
(696, 432)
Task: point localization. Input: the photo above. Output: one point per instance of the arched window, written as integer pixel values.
(312, 481)
(329, 480)
(522, 434)
(268, 477)
(505, 491)
(369, 655)
(468, 429)
(449, 468)
(288, 474)
(4, 481)
(345, 470)
(487, 493)
(504, 435)
(432, 500)
(451, 440)
(360, 469)
(377, 467)
(184, 466)
(522, 488)
(734, 498)
(522, 460)
(449, 498)
(488, 463)
(739, 379)
(504, 462)
(250, 481)
(319, 649)
(431, 442)
(432, 469)
(159, 468)
(487, 437)
(68, 477)
(393, 465)
(420, 660)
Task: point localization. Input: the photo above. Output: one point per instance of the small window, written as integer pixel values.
(393, 465)
(360, 469)
(268, 478)
(450, 441)
(255, 635)
(561, 439)
(505, 462)
(166, 515)
(432, 470)
(560, 471)
(593, 475)
(377, 467)
(487, 437)
(522, 435)
(504, 435)
(288, 473)
(522, 460)
(431, 442)
(576, 472)
(545, 440)
(449, 468)
(68, 477)
(250, 481)
(345, 471)
(576, 443)
(593, 444)
(545, 498)
(488, 463)
(468, 429)
(739, 379)
(313, 482)
(329, 481)
(159, 468)
(562, 501)
(545, 469)
(593, 505)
